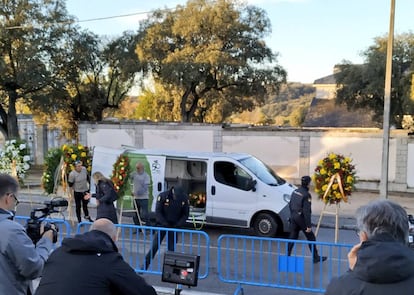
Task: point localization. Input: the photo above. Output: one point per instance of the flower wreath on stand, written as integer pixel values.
(334, 175)
(14, 159)
(71, 153)
(120, 173)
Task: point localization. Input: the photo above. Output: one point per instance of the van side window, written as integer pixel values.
(229, 174)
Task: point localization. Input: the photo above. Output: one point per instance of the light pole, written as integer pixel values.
(387, 101)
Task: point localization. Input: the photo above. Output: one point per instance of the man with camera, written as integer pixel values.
(20, 259)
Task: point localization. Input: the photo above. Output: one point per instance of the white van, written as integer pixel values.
(225, 189)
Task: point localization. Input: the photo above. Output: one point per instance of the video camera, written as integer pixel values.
(37, 215)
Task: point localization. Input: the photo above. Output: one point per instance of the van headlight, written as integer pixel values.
(286, 197)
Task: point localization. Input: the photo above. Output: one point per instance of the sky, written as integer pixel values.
(310, 36)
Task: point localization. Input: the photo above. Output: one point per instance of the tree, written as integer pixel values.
(157, 104)
(32, 34)
(362, 86)
(213, 53)
(97, 77)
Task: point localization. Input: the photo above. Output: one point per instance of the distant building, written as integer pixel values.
(324, 112)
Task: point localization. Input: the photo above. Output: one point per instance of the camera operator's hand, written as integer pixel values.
(48, 233)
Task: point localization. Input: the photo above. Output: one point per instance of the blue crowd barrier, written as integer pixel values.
(241, 260)
(248, 260)
(134, 242)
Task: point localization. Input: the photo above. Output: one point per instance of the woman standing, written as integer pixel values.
(105, 197)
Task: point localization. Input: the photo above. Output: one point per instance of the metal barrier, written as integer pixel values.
(241, 260)
(64, 227)
(135, 242)
(247, 260)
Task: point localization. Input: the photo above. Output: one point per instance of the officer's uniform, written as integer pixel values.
(172, 210)
(300, 206)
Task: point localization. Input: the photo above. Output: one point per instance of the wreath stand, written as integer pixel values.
(334, 178)
(133, 210)
(61, 177)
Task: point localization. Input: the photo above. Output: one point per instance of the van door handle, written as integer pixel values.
(159, 186)
(213, 190)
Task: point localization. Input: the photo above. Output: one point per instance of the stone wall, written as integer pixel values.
(290, 152)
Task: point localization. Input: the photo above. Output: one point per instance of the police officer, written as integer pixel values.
(172, 210)
(300, 217)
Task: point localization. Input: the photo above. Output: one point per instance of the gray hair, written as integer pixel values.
(383, 216)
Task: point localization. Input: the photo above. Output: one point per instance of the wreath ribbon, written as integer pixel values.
(338, 180)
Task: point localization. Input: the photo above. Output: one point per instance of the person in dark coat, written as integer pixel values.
(89, 264)
(300, 217)
(105, 197)
(382, 263)
(172, 211)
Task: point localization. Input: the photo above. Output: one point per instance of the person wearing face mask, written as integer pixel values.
(382, 263)
(21, 260)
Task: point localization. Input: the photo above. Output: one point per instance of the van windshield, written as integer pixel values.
(262, 171)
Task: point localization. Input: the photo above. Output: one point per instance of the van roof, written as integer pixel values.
(185, 154)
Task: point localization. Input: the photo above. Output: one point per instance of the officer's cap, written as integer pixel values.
(305, 180)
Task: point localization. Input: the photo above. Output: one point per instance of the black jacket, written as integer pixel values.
(106, 195)
(300, 204)
(172, 211)
(383, 267)
(89, 264)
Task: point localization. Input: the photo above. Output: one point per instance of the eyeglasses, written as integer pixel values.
(16, 201)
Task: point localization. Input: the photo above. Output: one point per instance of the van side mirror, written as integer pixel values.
(252, 185)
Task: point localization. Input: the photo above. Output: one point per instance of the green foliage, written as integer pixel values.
(213, 54)
(157, 105)
(49, 66)
(68, 153)
(50, 166)
(288, 108)
(31, 54)
(362, 86)
(297, 117)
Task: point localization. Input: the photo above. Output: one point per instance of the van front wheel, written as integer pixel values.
(265, 225)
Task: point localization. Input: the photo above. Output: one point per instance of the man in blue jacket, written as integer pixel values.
(89, 264)
(21, 260)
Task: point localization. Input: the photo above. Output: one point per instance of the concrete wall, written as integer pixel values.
(290, 152)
